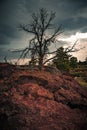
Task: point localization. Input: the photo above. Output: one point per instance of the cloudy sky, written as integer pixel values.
(72, 14)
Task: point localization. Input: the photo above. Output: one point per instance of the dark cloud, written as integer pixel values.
(70, 13)
(12, 13)
(4, 52)
(80, 24)
(79, 3)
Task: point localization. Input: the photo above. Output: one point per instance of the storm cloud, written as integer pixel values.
(72, 14)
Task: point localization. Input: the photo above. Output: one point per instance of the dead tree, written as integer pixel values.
(39, 45)
(38, 48)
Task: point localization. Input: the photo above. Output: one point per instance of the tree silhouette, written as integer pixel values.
(38, 47)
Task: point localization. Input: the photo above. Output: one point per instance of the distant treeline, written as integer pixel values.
(82, 63)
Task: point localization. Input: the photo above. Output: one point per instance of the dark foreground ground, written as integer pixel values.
(41, 100)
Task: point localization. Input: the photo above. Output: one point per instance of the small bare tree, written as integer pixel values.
(38, 47)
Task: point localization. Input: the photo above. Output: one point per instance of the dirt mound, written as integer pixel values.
(41, 100)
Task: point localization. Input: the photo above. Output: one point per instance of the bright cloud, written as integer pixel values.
(82, 43)
(20, 62)
(75, 37)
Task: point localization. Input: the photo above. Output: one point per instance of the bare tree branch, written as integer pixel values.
(72, 48)
(49, 59)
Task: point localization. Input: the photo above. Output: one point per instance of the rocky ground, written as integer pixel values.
(41, 100)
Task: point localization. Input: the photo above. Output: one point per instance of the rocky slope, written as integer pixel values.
(41, 100)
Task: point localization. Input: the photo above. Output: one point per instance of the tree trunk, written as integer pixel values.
(40, 63)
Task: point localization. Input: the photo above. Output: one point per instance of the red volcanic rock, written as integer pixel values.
(41, 100)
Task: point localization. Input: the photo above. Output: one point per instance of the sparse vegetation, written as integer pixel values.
(81, 81)
(80, 73)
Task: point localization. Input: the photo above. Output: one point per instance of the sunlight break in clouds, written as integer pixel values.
(20, 62)
(75, 37)
(82, 43)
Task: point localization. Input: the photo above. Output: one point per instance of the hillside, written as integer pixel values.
(41, 100)
(80, 74)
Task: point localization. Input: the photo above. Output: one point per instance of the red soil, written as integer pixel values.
(41, 100)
